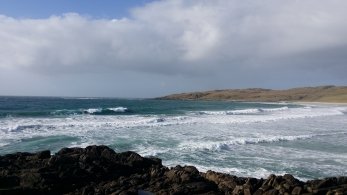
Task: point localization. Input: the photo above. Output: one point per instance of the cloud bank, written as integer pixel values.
(224, 40)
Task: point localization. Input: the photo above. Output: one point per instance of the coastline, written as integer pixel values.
(292, 102)
(321, 103)
(329, 94)
(100, 170)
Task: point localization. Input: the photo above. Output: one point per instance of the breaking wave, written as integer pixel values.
(252, 137)
(227, 145)
(274, 109)
(122, 117)
(106, 111)
(67, 112)
(243, 111)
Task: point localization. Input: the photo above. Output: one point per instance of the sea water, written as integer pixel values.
(240, 138)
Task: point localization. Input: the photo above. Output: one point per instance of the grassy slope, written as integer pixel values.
(305, 94)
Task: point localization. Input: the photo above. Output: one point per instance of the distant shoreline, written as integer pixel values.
(322, 103)
(315, 95)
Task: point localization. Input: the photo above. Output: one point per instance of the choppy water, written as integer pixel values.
(244, 139)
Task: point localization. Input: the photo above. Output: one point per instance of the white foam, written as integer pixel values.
(82, 123)
(81, 98)
(93, 110)
(118, 109)
(91, 126)
(212, 112)
(268, 116)
(99, 110)
(342, 109)
(188, 138)
(151, 151)
(82, 144)
(257, 172)
(274, 109)
(230, 112)
(228, 144)
(245, 111)
(3, 143)
(18, 128)
(254, 172)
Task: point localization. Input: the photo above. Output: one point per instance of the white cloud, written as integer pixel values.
(185, 37)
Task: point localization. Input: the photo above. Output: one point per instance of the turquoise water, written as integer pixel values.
(240, 138)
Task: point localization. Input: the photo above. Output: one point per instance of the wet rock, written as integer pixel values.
(238, 190)
(297, 190)
(100, 170)
(44, 154)
(271, 192)
(326, 183)
(225, 182)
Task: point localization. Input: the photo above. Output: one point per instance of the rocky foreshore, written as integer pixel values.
(100, 170)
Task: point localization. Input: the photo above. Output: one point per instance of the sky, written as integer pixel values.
(144, 48)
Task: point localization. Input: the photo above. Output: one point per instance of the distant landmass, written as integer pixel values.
(332, 94)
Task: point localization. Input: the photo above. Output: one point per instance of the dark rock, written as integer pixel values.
(142, 192)
(30, 179)
(8, 181)
(259, 191)
(238, 190)
(100, 170)
(247, 192)
(44, 154)
(327, 182)
(271, 192)
(225, 182)
(297, 190)
(341, 180)
(88, 190)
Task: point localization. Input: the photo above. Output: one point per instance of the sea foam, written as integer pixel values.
(258, 136)
(228, 144)
(105, 111)
(118, 109)
(243, 111)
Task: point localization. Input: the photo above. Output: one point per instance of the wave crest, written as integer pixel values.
(226, 145)
(274, 109)
(118, 109)
(92, 110)
(243, 111)
(105, 111)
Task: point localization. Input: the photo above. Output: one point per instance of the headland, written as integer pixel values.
(325, 94)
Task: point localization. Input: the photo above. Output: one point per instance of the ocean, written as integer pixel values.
(239, 138)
